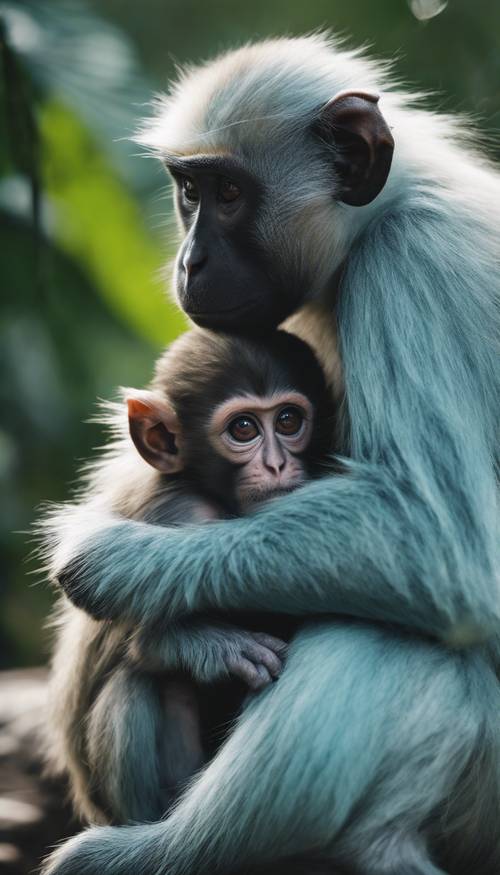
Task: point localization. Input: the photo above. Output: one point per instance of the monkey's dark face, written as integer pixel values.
(224, 278)
(259, 202)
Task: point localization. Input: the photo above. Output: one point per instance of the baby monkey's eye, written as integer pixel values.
(243, 429)
(289, 421)
(190, 190)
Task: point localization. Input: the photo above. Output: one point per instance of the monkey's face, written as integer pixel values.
(265, 440)
(261, 194)
(223, 276)
(235, 420)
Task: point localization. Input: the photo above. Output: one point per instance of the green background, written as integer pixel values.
(83, 304)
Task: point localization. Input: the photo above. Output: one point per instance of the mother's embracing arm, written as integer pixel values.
(368, 543)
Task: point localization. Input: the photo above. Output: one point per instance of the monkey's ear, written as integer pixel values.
(155, 430)
(352, 123)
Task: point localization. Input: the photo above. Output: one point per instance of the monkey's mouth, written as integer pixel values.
(248, 317)
(224, 318)
(257, 496)
(245, 305)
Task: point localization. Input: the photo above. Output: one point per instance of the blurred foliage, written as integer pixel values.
(83, 308)
(119, 255)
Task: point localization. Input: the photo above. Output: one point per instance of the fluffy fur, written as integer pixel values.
(124, 722)
(370, 736)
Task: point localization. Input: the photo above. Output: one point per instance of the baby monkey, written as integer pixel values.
(227, 424)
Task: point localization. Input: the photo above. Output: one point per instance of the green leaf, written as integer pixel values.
(98, 222)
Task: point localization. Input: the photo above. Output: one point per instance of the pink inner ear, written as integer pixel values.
(160, 439)
(155, 431)
(138, 409)
(143, 403)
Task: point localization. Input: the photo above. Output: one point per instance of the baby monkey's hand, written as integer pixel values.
(254, 657)
(211, 650)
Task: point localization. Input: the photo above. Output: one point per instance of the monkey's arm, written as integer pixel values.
(410, 533)
(368, 544)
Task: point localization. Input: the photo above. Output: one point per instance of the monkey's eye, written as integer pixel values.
(289, 421)
(228, 191)
(190, 190)
(243, 429)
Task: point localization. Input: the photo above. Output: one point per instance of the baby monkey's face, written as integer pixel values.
(250, 448)
(265, 438)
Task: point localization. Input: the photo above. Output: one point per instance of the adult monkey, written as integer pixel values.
(280, 150)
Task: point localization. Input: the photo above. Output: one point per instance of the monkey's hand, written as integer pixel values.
(210, 651)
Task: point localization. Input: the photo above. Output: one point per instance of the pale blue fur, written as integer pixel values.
(401, 537)
(368, 729)
(379, 713)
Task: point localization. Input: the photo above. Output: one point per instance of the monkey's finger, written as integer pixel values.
(261, 655)
(255, 676)
(280, 647)
(264, 674)
(272, 662)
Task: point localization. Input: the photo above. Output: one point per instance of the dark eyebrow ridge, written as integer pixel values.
(225, 165)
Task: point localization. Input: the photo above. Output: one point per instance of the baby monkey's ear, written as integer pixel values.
(155, 430)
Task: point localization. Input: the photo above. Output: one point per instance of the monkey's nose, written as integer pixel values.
(275, 468)
(274, 461)
(194, 260)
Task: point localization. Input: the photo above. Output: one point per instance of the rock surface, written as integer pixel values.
(34, 814)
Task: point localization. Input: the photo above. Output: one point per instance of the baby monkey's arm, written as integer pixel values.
(210, 650)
